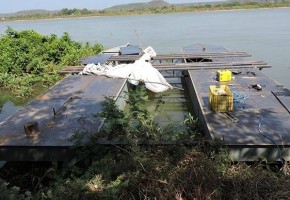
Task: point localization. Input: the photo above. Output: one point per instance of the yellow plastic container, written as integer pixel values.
(221, 98)
(224, 75)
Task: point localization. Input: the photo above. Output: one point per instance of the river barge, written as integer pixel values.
(257, 127)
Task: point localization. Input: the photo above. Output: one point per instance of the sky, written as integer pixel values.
(10, 6)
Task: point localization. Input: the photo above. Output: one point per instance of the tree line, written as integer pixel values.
(208, 6)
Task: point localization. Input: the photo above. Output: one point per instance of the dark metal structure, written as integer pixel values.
(259, 126)
(66, 109)
(262, 122)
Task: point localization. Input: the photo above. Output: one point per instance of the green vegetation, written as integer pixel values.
(148, 171)
(229, 5)
(138, 124)
(153, 7)
(30, 61)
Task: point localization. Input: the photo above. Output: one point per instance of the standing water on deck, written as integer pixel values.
(7, 107)
(171, 106)
(10, 104)
(7, 110)
(172, 103)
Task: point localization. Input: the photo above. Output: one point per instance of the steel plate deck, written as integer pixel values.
(260, 108)
(75, 100)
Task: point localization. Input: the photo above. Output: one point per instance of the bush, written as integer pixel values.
(11, 193)
(30, 59)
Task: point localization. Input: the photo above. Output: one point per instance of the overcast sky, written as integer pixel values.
(9, 6)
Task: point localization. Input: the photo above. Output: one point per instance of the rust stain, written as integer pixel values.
(43, 97)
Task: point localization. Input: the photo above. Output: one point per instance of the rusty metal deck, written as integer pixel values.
(259, 109)
(74, 100)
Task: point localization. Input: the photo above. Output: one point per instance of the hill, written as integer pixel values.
(29, 12)
(151, 7)
(145, 5)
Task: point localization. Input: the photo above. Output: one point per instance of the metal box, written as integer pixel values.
(224, 75)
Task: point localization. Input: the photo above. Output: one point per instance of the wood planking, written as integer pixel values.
(166, 61)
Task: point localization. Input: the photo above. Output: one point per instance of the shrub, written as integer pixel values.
(30, 59)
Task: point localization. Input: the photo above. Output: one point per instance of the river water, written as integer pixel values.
(264, 33)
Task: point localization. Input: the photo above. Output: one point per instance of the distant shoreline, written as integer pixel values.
(52, 18)
(139, 14)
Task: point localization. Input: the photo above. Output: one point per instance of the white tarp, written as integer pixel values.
(140, 70)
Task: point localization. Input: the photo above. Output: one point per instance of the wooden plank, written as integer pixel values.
(213, 67)
(254, 64)
(124, 58)
(202, 55)
(214, 63)
(182, 56)
(188, 66)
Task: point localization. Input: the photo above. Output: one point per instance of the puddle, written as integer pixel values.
(7, 110)
(172, 104)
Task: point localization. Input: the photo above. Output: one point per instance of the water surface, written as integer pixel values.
(7, 110)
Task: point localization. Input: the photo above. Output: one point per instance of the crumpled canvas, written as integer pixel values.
(141, 70)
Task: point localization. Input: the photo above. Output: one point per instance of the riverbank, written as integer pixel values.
(223, 7)
(51, 18)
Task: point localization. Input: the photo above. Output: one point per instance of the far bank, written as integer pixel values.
(206, 7)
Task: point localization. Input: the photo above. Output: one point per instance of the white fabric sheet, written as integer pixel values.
(140, 71)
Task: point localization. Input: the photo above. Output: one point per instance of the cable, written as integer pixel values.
(282, 160)
(239, 100)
